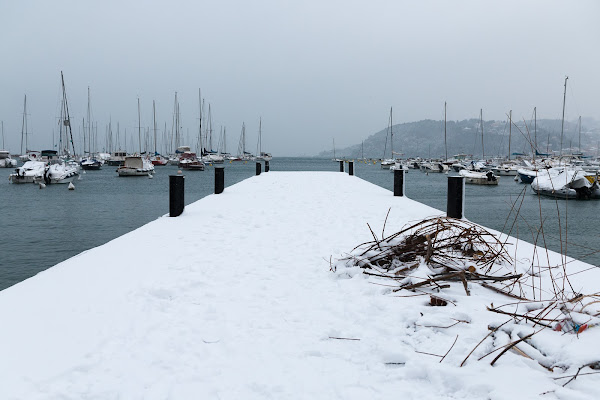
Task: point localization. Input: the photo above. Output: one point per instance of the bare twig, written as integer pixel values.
(511, 345)
(449, 349)
(488, 335)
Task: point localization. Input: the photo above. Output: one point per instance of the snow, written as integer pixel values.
(234, 299)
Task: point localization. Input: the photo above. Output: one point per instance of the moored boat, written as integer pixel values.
(29, 172)
(158, 160)
(117, 158)
(189, 161)
(91, 163)
(59, 173)
(6, 161)
(135, 166)
(479, 178)
(567, 183)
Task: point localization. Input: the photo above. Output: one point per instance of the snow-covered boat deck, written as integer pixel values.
(234, 299)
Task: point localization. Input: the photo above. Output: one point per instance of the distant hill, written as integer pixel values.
(426, 139)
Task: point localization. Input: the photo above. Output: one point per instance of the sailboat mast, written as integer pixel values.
(391, 135)
(139, 128)
(210, 146)
(89, 125)
(24, 125)
(243, 138)
(165, 140)
(66, 119)
(509, 131)
(562, 128)
(535, 127)
(481, 122)
(579, 134)
(3, 134)
(259, 146)
(154, 120)
(445, 136)
(334, 149)
(200, 125)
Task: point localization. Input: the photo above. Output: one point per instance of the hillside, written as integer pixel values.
(426, 138)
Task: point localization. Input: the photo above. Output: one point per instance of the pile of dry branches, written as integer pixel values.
(454, 250)
(428, 255)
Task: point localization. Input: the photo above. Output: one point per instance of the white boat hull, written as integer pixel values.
(13, 178)
(133, 172)
(479, 178)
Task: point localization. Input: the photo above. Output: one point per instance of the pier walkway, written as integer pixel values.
(234, 299)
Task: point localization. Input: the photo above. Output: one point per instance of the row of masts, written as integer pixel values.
(173, 140)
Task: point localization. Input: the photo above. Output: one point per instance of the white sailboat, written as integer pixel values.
(59, 166)
(387, 163)
(260, 155)
(50, 167)
(91, 162)
(243, 155)
(136, 165)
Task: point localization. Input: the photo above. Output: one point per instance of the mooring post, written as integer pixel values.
(456, 197)
(350, 167)
(266, 166)
(219, 180)
(399, 182)
(341, 166)
(258, 168)
(176, 202)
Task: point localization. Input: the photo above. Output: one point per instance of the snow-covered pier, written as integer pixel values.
(235, 299)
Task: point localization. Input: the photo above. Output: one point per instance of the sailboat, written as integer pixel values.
(334, 157)
(156, 159)
(260, 155)
(60, 166)
(27, 155)
(389, 162)
(211, 156)
(508, 168)
(53, 167)
(243, 155)
(90, 162)
(136, 165)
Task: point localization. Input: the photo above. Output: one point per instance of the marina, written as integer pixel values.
(300, 200)
(48, 226)
(249, 288)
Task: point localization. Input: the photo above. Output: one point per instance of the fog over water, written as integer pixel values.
(312, 70)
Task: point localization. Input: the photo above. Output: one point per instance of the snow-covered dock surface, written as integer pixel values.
(235, 299)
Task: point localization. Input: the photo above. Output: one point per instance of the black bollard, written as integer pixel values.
(398, 182)
(456, 197)
(341, 166)
(266, 166)
(176, 203)
(258, 168)
(350, 168)
(219, 180)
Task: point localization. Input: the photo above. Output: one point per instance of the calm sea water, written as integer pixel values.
(44, 227)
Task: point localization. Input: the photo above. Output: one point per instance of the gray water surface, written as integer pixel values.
(42, 227)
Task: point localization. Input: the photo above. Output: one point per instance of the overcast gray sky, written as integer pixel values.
(312, 69)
